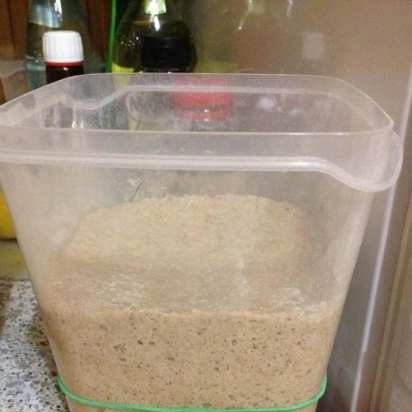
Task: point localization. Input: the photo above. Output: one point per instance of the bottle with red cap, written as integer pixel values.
(206, 110)
(63, 54)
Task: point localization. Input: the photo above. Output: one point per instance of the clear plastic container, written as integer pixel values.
(193, 269)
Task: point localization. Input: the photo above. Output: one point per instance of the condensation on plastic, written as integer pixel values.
(284, 123)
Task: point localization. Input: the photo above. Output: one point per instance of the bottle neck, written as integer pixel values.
(154, 7)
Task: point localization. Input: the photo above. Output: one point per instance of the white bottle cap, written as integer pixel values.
(62, 46)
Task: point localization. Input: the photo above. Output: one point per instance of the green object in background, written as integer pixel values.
(112, 34)
(117, 11)
(120, 69)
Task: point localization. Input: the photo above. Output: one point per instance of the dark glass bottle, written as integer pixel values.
(152, 37)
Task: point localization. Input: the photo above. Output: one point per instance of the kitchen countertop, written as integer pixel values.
(27, 370)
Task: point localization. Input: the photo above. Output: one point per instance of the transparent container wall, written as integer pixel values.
(186, 289)
(206, 269)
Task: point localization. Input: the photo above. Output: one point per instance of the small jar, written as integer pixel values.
(63, 54)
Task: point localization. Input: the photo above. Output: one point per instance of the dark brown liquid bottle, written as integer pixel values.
(153, 37)
(63, 54)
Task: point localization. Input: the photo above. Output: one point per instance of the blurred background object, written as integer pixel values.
(6, 224)
(46, 15)
(93, 21)
(153, 37)
(12, 84)
(12, 264)
(258, 36)
(12, 79)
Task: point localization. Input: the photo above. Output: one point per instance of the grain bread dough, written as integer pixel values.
(191, 301)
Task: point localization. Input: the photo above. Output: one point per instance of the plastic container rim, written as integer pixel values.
(212, 163)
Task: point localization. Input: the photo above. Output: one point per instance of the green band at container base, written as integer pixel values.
(136, 408)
